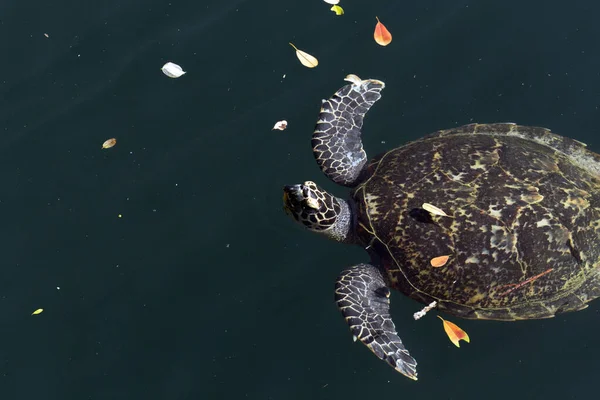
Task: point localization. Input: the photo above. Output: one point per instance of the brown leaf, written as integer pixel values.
(109, 143)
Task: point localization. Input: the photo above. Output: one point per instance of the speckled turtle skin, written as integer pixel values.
(514, 195)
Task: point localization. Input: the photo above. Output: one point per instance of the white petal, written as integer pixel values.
(332, 1)
(280, 125)
(172, 70)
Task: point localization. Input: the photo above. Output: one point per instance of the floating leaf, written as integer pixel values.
(337, 10)
(433, 210)
(38, 311)
(382, 36)
(109, 143)
(454, 332)
(306, 59)
(172, 70)
(332, 1)
(280, 125)
(439, 261)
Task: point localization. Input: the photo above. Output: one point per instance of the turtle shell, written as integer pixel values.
(522, 227)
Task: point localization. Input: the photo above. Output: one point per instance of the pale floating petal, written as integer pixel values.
(280, 125)
(331, 1)
(109, 143)
(306, 59)
(353, 78)
(337, 10)
(434, 210)
(172, 70)
(439, 261)
(45, 34)
(38, 311)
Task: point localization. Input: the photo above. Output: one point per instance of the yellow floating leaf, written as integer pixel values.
(109, 143)
(337, 10)
(38, 311)
(455, 334)
(433, 209)
(439, 261)
(306, 59)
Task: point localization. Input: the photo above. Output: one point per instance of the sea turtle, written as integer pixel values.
(518, 214)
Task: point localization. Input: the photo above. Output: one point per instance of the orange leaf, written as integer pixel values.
(454, 332)
(439, 261)
(382, 36)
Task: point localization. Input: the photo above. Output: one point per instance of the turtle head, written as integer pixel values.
(317, 210)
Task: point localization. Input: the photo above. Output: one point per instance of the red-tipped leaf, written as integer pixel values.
(455, 334)
(382, 36)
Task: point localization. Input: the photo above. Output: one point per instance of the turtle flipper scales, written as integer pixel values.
(363, 298)
(336, 141)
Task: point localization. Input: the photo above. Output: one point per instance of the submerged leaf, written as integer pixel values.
(382, 36)
(38, 311)
(306, 59)
(455, 334)
(439, 261)
(109, 143)
(433, 210)
(337, 10)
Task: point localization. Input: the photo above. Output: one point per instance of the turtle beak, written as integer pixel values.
(292, 196)
(292, 189)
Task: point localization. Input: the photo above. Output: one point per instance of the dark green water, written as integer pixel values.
(204, 289)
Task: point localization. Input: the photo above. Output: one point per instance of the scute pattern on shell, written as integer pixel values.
(520, 201)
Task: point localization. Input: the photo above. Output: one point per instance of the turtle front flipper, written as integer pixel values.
(363, 298)
(336, 141)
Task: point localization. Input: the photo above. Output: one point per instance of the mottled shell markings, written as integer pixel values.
(371, 202)
(522, 201)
